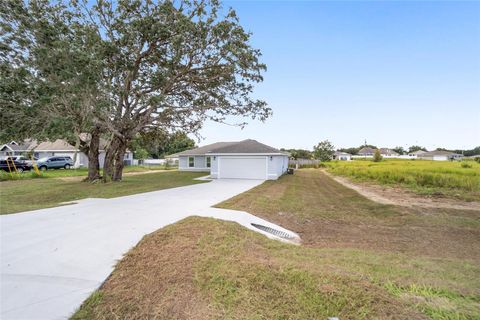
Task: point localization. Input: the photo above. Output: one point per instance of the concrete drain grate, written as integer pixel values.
(275, 232)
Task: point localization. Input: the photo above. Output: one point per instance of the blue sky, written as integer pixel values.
(393, 73)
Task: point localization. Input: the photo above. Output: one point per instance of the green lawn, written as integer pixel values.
(456, 179)
(81, 172)
(24, 195)
(358, 260)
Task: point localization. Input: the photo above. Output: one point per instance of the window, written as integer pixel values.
(191, 162)
(209, 162)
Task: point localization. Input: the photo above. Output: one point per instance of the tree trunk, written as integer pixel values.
(93, 152)
(77, 147)
(110, 155)
(118, 167)
(91, 149)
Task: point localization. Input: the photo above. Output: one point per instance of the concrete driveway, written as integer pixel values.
(53, 259)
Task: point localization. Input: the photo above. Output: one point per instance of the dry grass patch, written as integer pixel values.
(202, 268)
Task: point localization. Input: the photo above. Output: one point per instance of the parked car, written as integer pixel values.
(23, 158)
(54, 163)
(10, 165)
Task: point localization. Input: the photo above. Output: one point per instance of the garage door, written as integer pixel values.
(242, 168)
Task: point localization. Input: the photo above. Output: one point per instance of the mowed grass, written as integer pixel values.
(24, 195)
(449, 178)
(81, 172)
(358, 260)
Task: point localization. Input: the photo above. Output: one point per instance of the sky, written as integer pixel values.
(391, 73)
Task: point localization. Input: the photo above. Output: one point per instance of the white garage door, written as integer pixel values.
(242, 168)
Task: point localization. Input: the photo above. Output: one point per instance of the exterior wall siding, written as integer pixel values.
(199, 163)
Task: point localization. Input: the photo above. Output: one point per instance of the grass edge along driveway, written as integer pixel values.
(26, 195)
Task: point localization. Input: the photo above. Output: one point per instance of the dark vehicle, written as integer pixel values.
(55, 163)
(10, 165)
(22, 158)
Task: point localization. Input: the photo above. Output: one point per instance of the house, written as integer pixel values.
(15, 149)
(338, 155)
(416, 154)
(388, 153)
(384, 152)
(247, 159)
(440, 155)
(58, 147)
(366, 152)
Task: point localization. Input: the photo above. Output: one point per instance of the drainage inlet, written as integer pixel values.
(275, 232)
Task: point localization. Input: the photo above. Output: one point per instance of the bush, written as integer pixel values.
(466, 164)
(377, 157)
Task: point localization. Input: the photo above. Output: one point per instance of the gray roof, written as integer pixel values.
(366, 150)
(388, 151)
(27, 145)
(418, 152)
(57, 145)
(341, 153)
(245, 146)
(438, 153)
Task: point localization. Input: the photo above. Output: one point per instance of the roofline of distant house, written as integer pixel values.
(229, 154)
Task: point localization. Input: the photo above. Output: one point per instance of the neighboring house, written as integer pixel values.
(416, 154)
(439, 155)
(247, 159)
(369, 152)
(366, 152)
(388, 153)
(58, 147)
(15, 149)
(338, 155)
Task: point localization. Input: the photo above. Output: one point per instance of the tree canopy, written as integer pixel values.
(121, 68)
(324, 151)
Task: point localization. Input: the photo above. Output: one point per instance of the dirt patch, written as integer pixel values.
(402, 197)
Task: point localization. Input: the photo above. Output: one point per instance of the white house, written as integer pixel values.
(343, 156)
(58, 147)
(247, 159)
(439, 155)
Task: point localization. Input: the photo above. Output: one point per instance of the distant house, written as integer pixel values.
(58, 147)
(388, 153)
(416, 154)
(440, 155)
(16, 149)
(338, 155)
(385, 152)
(366, 152)
(247, 159)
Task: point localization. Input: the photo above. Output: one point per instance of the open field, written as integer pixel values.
(439, 178)
(81, 172)
(358, 260)
(24, 195)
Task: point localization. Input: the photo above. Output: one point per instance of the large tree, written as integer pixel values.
(162, 65)
(51, 76)
(172, 66)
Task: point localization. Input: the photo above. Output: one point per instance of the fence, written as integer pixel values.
(304, 163)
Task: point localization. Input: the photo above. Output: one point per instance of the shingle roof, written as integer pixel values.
(437, 153)
(388, 151)
(366, 150)
(245, 146)
(57, 145)
(27, 145)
